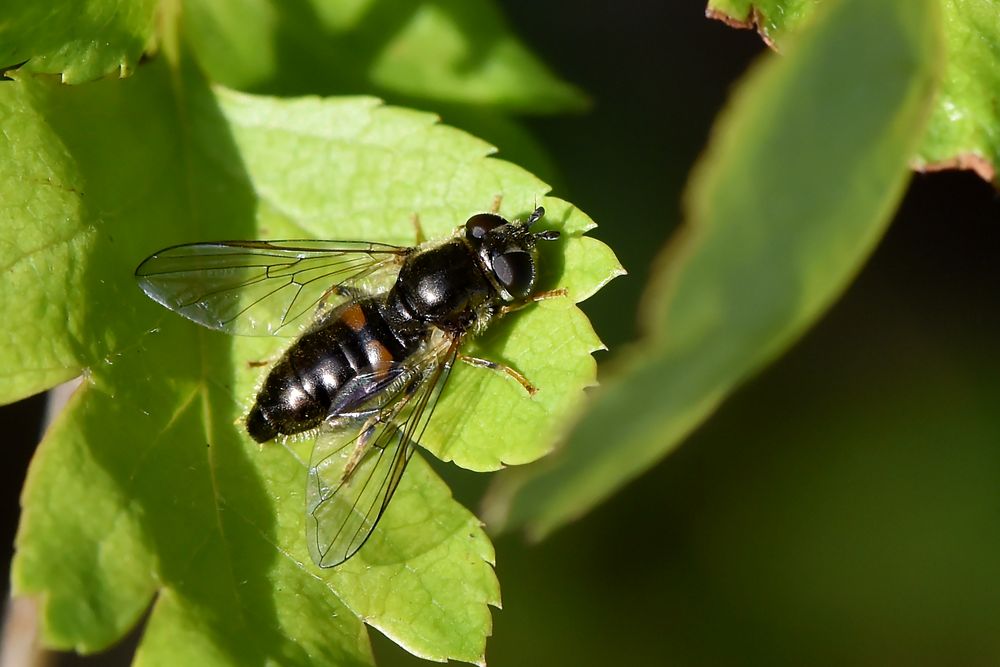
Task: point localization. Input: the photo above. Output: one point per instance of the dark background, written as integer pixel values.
(843, 507)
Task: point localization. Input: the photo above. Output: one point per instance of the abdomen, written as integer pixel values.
(308, 380)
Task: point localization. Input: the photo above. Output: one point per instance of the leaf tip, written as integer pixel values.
(754, 20)
(971, 161)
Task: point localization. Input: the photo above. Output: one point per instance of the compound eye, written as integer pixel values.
(480, 224)
(515, 270)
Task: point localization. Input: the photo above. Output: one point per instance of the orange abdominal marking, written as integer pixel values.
(354, 318)
(380, 357)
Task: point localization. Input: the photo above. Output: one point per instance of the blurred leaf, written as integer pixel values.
(435, 51)
(961, 132)
(800, 180)
(146, 486)
(459, 58)
(79, 39)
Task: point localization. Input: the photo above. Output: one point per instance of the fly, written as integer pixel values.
(382, 326)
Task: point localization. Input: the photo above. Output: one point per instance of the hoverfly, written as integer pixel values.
(382, 326)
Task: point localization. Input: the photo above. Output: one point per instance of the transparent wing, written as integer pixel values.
(261, 288)
(356, 468)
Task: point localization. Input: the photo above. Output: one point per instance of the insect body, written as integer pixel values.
(383, 326)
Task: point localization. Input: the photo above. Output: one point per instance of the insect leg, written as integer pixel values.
(497, 200)
(500, 368)
(418, 229)
(260, 363)
(371, 427)
(538, 296)
(360, 447)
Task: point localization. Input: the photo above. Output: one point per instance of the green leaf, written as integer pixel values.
(147, 485)
(800, 181)
(445, 51)
(79, 39)
(769, 17)
(961, 130)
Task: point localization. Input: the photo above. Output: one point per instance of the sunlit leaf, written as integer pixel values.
(147, 491)
(79, 39)
(446, 51)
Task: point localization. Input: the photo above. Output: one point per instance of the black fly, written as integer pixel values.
(383, 326)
